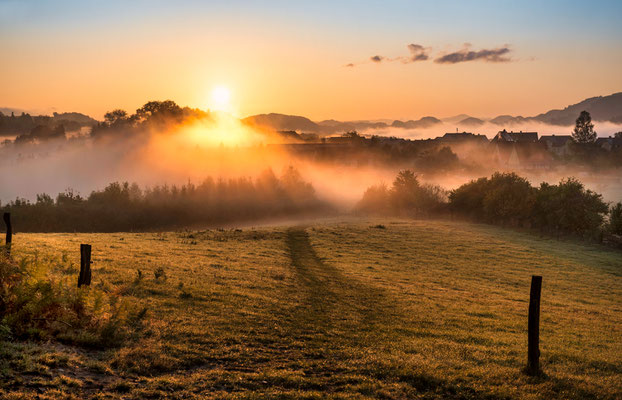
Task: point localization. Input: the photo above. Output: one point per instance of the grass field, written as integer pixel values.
(337, 309)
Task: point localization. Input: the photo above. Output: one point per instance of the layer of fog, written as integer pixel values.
(193, 153)
(603, 129)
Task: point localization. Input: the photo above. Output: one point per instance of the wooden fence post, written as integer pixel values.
(85, 265)
(533, 327)
(9, 231)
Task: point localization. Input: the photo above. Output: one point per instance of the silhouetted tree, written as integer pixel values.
(584, 129)
(376, 200)
(115, 116)
(158, 110)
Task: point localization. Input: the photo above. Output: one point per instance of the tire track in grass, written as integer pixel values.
(335, 310)
(347, 322)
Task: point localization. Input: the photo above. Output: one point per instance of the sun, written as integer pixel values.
(220, 98)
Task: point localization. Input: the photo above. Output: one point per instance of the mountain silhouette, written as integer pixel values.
(282, 122)
(602, 108)
(471, 122)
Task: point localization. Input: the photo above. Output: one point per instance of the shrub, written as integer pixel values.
(570, 208)
(504, 198)
(35, 304)
(410, 197)
(407, 196)
(468, 199)
(509, 199)
(376, 200)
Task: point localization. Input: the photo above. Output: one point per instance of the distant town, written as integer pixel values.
(506, 150)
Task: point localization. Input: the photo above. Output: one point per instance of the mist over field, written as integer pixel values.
(220, 146)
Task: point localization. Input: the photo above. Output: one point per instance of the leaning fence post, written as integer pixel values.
(85, 265)
(9, 231)
(533, 327)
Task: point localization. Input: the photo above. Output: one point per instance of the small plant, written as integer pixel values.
(379, 226)
(278, 277)
(159, 274)
(139, 277)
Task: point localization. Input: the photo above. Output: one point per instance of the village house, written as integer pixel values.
(521, 155)
(515, 137)
(560, 145)
(462, 137)
(609, 143)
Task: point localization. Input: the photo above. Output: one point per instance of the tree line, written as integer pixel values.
(503, 199)
(127, 207)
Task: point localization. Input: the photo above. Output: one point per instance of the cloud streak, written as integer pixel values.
(376, 58)
(417, 53)
(422, 53)
(498, 55)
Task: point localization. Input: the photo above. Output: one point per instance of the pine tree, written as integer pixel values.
(584, 129)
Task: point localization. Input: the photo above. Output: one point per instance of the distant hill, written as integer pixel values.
(282, 122)
(471, 121)
(422, 123)
(23, 123)
(505, 120)
(602, 108)
(332, 126)
(456, 118)
(82, 119)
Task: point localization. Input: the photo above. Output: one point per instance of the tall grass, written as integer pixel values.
(39, 299)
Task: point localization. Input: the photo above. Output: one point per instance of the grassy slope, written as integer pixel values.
(341, 309)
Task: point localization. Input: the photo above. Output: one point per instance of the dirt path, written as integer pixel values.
(332, 303)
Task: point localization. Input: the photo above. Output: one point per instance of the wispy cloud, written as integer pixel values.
(417, 53)
(376, 58)
(498, 55)
(421, 53)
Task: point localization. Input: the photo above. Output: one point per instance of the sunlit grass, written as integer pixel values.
(344, 309)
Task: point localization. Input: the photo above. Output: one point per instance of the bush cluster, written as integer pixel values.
(504, 199)
(508, 199)
(406, 197)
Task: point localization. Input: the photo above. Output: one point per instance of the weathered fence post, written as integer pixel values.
(85, 265)
(533, 327)
(9, 231)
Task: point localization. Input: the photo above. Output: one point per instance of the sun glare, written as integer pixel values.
(220, 99)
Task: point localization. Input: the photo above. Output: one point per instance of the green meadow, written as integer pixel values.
(343, 309)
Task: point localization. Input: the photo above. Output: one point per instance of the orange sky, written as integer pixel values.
(291, 59)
